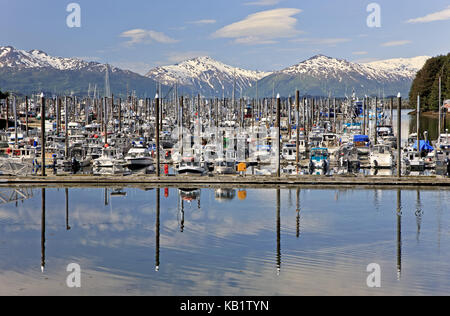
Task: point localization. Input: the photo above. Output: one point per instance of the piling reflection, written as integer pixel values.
(42, 230)
(67, 208)
(399, 234)
(419, 214)
(278, 231)
(158, 201)
(298, 214)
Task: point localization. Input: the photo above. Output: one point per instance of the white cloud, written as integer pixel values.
(360, 53)
(437, 16)
(322, 41)
(137, 36)
(177, 57)
(395, 43)
(264, 2)
(262, 27)
(203, 22)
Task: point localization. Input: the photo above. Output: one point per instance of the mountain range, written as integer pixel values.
(206, 76)
(36, 71)
(322, 75)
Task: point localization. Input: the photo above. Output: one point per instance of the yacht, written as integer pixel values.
(110, 160)
(362, 143)
(190, 166)
(138, 158)
(223, 166)
(289, 152)
(381, 157)
(319, 159)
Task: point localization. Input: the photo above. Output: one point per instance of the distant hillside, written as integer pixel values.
(206, 76)
(35, 71)
(322, 75)
(426, 83)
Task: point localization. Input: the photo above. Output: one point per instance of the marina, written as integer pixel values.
(264, 140)
(224, 156)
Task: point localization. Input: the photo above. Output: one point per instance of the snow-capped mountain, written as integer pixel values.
(327, 67)
(206, 76)
(36, 71)
(34, 59)
(322, 75)
(407, 67)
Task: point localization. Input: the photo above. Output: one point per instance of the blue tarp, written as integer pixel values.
(424, 146)
(360, 138)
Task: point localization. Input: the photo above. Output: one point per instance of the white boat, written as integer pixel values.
(289, 152)
(222, 166)
(381, 157)
(139, 158)
(413, 159)
(190, 166)
(110, 158)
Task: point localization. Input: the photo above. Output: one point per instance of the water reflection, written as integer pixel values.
(42, 230)
(228, 246)
(399, 234)
(158, 209)
(14, 195)
(278, 232)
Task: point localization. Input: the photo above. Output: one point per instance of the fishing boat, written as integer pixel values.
(190, 166)
(289, 152)
(348, 158)
(223, 166)
(111, 161)
(381, 157)
(138, 158)
(362, 143)
(319, 159)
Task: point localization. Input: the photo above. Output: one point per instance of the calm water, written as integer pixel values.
(241, 245)
(429, 124)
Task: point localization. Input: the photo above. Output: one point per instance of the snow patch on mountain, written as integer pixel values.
(20, 59)
(206, 73)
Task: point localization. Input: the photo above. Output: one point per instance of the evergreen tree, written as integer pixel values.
(426, 83)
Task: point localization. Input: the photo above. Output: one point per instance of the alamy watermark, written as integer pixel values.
(74, 278)
(374, 278)
(74, 18)
(374, 18)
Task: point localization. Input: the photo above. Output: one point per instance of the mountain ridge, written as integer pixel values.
(34, 71)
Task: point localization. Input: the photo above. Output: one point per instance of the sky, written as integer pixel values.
(261, 35)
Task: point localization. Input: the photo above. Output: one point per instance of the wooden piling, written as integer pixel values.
(157, 132)
(399, 136)
(26, 115)
(278, 126)
(66, 124)
(43, 134)
(297, 141)
(7, 113)
(418, 124)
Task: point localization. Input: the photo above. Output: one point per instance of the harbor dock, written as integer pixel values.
(229, 181)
